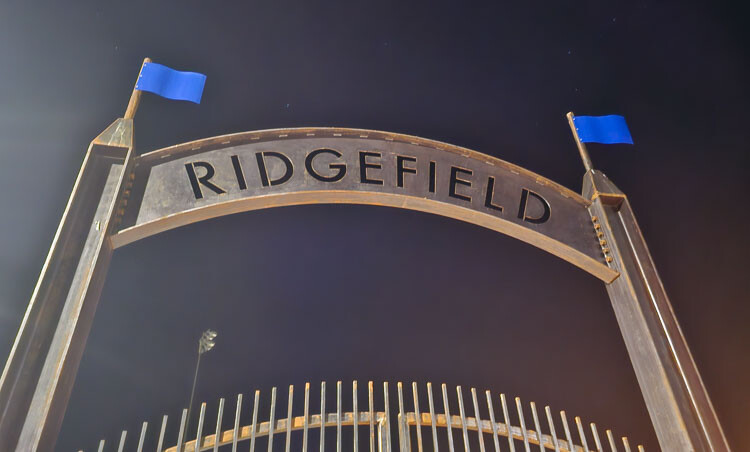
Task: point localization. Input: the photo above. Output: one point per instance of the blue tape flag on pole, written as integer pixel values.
(158, 79)
(602, 129)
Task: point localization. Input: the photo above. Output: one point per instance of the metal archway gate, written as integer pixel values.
(120, 197)
(443, 422)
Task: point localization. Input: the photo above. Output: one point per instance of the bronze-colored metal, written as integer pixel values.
(524, 432)
(411, 418)
(568, 438)
(183, 429)
(581, 146)
(306, 423)
(162, 432)
(537, 426)
(142, 438)
(462, 413)
(355, 410)
(121, 445)
(119, 198)
(447, 417)
(433, 425)
(201, 418)
(38, 376)
(272, 417)
(220, 415)
(371, 405)
(135, 96)
(323, 416)
(237, 413)
(254, 429)
(477, 416)
(551, 425)
(679, 406)
(338, 417)
(466, 185)
(417, 416)
(493, 424)
(508, 428)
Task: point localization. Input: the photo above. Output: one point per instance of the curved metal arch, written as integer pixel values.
(218, 176)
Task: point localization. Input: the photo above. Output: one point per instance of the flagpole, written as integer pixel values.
(135, 96)
(581, 147)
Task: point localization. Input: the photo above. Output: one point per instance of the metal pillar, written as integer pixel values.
(677, 401)
(37, 380)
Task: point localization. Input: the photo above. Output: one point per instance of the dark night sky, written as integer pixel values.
(341, 292)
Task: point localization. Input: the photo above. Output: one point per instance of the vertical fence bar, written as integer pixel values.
(236, 430)
(199, 433)
(160, 444)
(433, 422)
(597, 441)
(537, 426)
(508, 424)
(122, 441)
(143, 437)
(217, 432)
(530, 435)
(417, 415)
(272, 420)
(306, 422)
(254, 427)
(322, 416)
(611, 439)
(524, 432)
(181, 434)
(491, 409)
(288, 444)
(463, 418)
(355, 412)
(582, 434)
(448, 418)
(371, 403)
(338, 416)
(568, 438)
(551, 423)
(387, 403)
(403, 428)
(478, 418)
(382, 446)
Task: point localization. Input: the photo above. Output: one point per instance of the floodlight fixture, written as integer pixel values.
(206, 342)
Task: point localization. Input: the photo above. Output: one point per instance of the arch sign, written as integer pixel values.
(209, 178)
(119, 198)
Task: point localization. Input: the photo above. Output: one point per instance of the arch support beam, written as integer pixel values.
(675, 396)
(38, 377)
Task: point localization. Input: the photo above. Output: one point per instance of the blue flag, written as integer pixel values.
(171, 84)
(602, 129)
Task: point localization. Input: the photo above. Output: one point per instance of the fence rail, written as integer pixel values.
(371, 429)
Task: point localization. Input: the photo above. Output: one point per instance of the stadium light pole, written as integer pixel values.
(205, 343)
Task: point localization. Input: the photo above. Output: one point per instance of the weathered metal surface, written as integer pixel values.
(677, 401)
(219, 176)
(119, 198)
(38, 376)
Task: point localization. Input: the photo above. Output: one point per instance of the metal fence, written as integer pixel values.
(439, 426)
